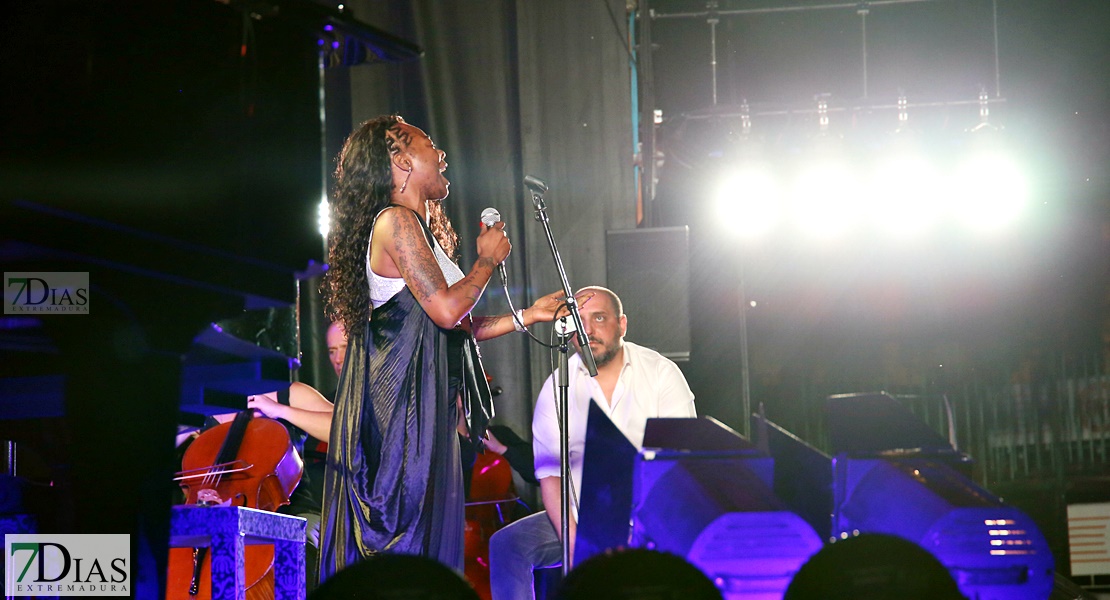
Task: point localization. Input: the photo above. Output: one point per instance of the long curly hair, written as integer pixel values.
(442, 229)
(363, 187)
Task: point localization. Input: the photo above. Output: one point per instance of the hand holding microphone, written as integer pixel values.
(490, 218)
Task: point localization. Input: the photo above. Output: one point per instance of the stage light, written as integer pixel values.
(323, 217)
(989, 192)
(749, 201)
(826, 199)
(905, 196)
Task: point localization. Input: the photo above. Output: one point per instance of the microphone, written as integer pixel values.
(489, 217)
(535, 184)
(565, 326)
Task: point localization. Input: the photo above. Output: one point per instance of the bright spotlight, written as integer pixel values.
(826, 199)
(989, 192)
(323, 216)
(905, 196)
(748, 201)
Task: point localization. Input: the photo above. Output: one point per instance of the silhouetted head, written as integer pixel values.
(637, 574)
(395, 577)
(873, 567)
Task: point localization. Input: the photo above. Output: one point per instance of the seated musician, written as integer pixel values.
(337, 348)
(309, 414)
(633, 384)
(500, 439)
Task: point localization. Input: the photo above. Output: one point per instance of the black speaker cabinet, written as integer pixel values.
(650, 270)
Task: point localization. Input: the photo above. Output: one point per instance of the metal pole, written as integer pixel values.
(321, 64)
(564, 452)
(997, 69)
(863, 10)
(745, 375)
(713, 20)
(646, 80)
(564, 378)
(781, 9)
(635, 103)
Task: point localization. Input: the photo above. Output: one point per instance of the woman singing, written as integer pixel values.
(394, 481)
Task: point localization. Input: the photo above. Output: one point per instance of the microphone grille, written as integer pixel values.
(490, 216)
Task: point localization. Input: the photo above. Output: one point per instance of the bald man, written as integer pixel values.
(633, 384)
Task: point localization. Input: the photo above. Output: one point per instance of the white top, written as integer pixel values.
(384, 288)
(650, 385)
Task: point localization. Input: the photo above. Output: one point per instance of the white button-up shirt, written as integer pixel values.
(650, 385)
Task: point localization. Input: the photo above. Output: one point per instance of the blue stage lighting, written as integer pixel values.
(717, 509)
(912, 488)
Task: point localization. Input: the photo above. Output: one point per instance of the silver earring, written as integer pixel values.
(406, 182)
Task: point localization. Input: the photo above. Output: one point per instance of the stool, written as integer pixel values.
(227, 530)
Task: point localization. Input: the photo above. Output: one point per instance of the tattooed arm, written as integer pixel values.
(547, 308)
(399, 236)
(490, 327)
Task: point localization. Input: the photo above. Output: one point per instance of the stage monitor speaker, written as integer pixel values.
(718, 510)
(605, 500)
(803, 474)
(871, 423)
(898, 477)
(993, 551)
(607, 470)
(701, 434)
(650, 270)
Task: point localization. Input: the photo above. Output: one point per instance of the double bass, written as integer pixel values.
(248, 462)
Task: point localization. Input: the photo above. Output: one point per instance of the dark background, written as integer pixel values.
(140, 143)
(146, 115)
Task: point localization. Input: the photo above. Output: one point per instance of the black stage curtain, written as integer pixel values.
(509, 89)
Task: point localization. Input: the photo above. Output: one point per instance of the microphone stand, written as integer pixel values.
(564, 447)
(564, 377)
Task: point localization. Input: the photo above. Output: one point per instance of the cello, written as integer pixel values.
(489, 507)
(248, 462)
